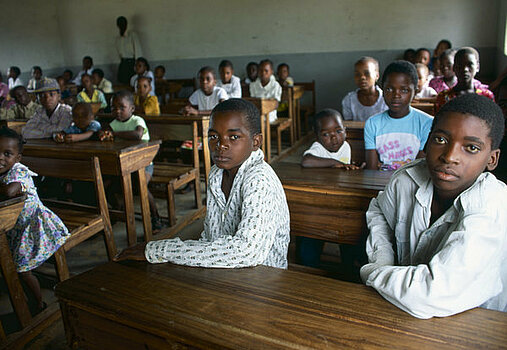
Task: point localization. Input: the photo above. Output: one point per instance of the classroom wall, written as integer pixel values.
(320, 40)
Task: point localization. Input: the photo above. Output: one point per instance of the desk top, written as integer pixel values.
(268, 307)
(264, 105)
(117, 146)
(165, 118)
(294, 174)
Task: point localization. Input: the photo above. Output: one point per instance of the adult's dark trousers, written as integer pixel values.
(126, 70)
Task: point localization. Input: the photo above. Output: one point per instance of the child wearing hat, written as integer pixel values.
(52, 116)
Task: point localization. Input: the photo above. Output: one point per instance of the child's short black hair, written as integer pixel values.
(281, 65)
(365, 59)
(466, 50)
(126, 94)
(86, 106)
(480, 107)
(404, 67)
(145, 61)
(99, 72)
(88, 58)
(448, 53)
(160, 67)
(16, 70)
(408, 52)
(207, 69)
(225, 64)
(18, 87)
(421, 49)
(68, 71)
(328, 112)
(266, 61)
(247, 108)
(445, 41)
(34, 68)
(85, 75)
(252, 64)
(8, 133)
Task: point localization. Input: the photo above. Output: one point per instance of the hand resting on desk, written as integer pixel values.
(136, 252)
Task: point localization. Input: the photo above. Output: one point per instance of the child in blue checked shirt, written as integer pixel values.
(84, 125)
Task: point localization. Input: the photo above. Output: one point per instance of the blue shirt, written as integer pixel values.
(397, 140)
(73, 129)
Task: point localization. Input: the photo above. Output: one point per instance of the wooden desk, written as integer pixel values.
(424, 105)
(265, 105)
(135, 305)
(15, 124)
(165, 126)
(327, 203)
(120, 158)
(9, 212)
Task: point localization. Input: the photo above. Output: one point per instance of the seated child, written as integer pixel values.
(84, 125)
(38, 232)
(36, 77)
(398, 135)
(441, 47)
(24, 108)
(423, 89)
(438, 236)
(52, 116)
(67, 76)
(159, 74)
(142, 69)
(90, 93)
(128, 126)
(228, 81)
(143, 101)
(367, 99)
(203, 100)
(409, 55)
(64, 92)
(247, 217)
(266, 86)
(101, 83)
(330, 150)
(283, 72)
(466, 66)
(423, 56)
(13, 73)
(87, 69)
(252, 70)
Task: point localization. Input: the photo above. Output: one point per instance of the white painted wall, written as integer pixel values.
(55, 33)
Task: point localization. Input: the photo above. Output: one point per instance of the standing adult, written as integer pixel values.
(128, 48)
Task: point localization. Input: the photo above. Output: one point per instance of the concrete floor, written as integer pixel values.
(92, 253)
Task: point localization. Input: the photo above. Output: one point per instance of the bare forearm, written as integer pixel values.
(311, 161)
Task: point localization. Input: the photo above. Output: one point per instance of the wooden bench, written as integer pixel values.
(82, 221)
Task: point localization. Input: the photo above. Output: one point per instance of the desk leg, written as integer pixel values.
(298, 116)
(130, 219)
(268, 138)
(16, 292)
(145, 205)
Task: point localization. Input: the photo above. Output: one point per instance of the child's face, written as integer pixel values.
(122, 109)
(87, 64)
(81, 118)
(365, 75)
(252, 72)
(441, 47)
(207, 82)
(49, 99)
(36, 74)
(96, 79)
(465, 67)
(159, 73)
(226, 74)
(265, 73)
(143, 87)
(436, 67)
(61, 83)
(283, 73)
(423, 77)
(447, 67)
(140, 67)
(409, 56)
(398, 93)
(457, 152)
(230, 142)
(11, 73)
(67, 76)
(86, 82)
(9, 154)
(21, 97)
(423, 57)
(332, 133)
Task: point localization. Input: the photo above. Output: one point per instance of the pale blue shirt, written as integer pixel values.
(457, 263)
